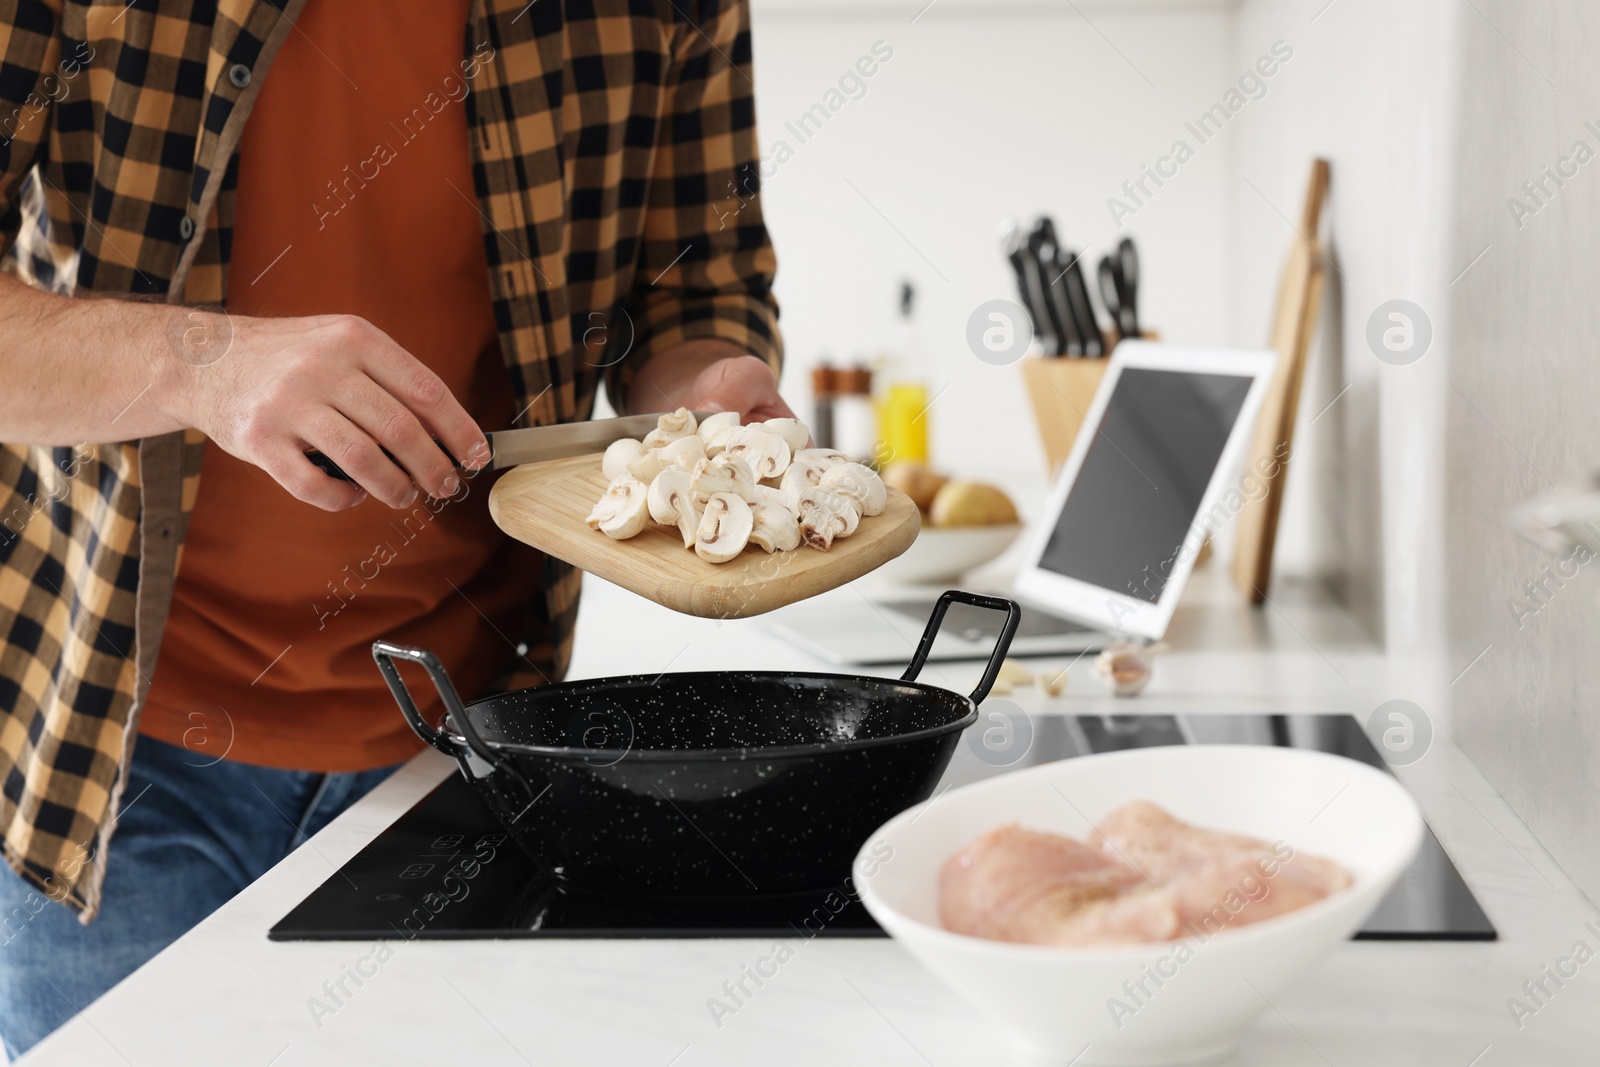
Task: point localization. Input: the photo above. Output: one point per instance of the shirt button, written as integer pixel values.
(186, 228)
(239, 75)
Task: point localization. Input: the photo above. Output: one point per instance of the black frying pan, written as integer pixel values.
(709, 783)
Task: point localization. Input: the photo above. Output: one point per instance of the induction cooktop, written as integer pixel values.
(445, 869)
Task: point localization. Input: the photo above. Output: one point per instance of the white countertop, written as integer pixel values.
(224, 994)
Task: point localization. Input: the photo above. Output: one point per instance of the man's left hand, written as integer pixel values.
(712, 375)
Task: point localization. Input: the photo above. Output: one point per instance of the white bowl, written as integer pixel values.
(944, 553)
(1071, 1005)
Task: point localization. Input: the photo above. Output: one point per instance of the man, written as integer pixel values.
(423, 220)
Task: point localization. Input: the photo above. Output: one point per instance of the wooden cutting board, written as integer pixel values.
(1294, 326)
(545, 504)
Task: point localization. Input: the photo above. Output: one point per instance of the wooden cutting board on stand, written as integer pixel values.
(1294, 325)
(545, 504)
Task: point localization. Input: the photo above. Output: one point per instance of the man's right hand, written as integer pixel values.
(334, 383)
(95, 371)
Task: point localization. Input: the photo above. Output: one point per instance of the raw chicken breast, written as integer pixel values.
(1144, 876)
(1217, 879)
(1014, 884)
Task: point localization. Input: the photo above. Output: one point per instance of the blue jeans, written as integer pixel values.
(192, 833)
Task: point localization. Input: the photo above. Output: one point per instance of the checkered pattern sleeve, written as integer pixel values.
(706, 263)
(33, 77)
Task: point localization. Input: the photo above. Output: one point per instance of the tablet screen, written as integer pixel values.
(1138, 492)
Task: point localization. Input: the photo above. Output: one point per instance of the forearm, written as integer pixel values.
(86, 370)
(666, 380)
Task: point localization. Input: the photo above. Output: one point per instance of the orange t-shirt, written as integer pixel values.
(355, 195)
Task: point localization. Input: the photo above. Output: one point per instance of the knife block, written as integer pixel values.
(1061, 389)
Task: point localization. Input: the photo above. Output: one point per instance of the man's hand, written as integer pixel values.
(708, 375)
(335, 383)
(97, 371)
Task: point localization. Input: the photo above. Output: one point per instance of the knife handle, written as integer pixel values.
(326, 465)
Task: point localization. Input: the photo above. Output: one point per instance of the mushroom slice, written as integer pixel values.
(724, 528)
(722, 474)
(647, 466)
(670, 427)
(619, 454)
(802, 474)
(716, 428)
(826, 514)
(775, 529)
(673, 453)
(794, 432)
(767, 496)
(672, 504)
(766, 452)
(823, 457)
(623, 511)
(860, 484)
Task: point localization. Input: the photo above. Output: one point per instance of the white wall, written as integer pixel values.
(1525, 390)
(1371, 88)
(980, 115)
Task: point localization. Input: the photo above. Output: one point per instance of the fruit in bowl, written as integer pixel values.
(966, 524)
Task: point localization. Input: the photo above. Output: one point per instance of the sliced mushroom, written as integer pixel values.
(647, 466)
(766, 452)
(775, 529)
(716, 428)
(794, 432)
(675, 453)
(860, 484)
(670, 427)
(826, 514)
(767, 496)
(802, 474)
(618, 455)
(722, 474)
(724, 528)
(672, 504)
(623, 511)
(825, 457)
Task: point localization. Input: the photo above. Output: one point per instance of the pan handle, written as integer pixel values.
(1001, 646)
(454, 712)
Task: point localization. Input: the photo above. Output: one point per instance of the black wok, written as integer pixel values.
(709, 783)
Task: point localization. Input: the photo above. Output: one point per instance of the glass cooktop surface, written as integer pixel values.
(445, 869)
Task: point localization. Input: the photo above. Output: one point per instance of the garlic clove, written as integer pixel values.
(724, 528)
(860, 484)
(623, 511)
(618, 455)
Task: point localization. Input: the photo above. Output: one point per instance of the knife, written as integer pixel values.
(1082, 306)
(1052, 267)
(1014, 244)
(508, 448)
(1039, 240)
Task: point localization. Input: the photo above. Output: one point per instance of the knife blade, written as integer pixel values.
(509, 448)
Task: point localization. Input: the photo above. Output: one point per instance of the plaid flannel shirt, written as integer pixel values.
(615, 159)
